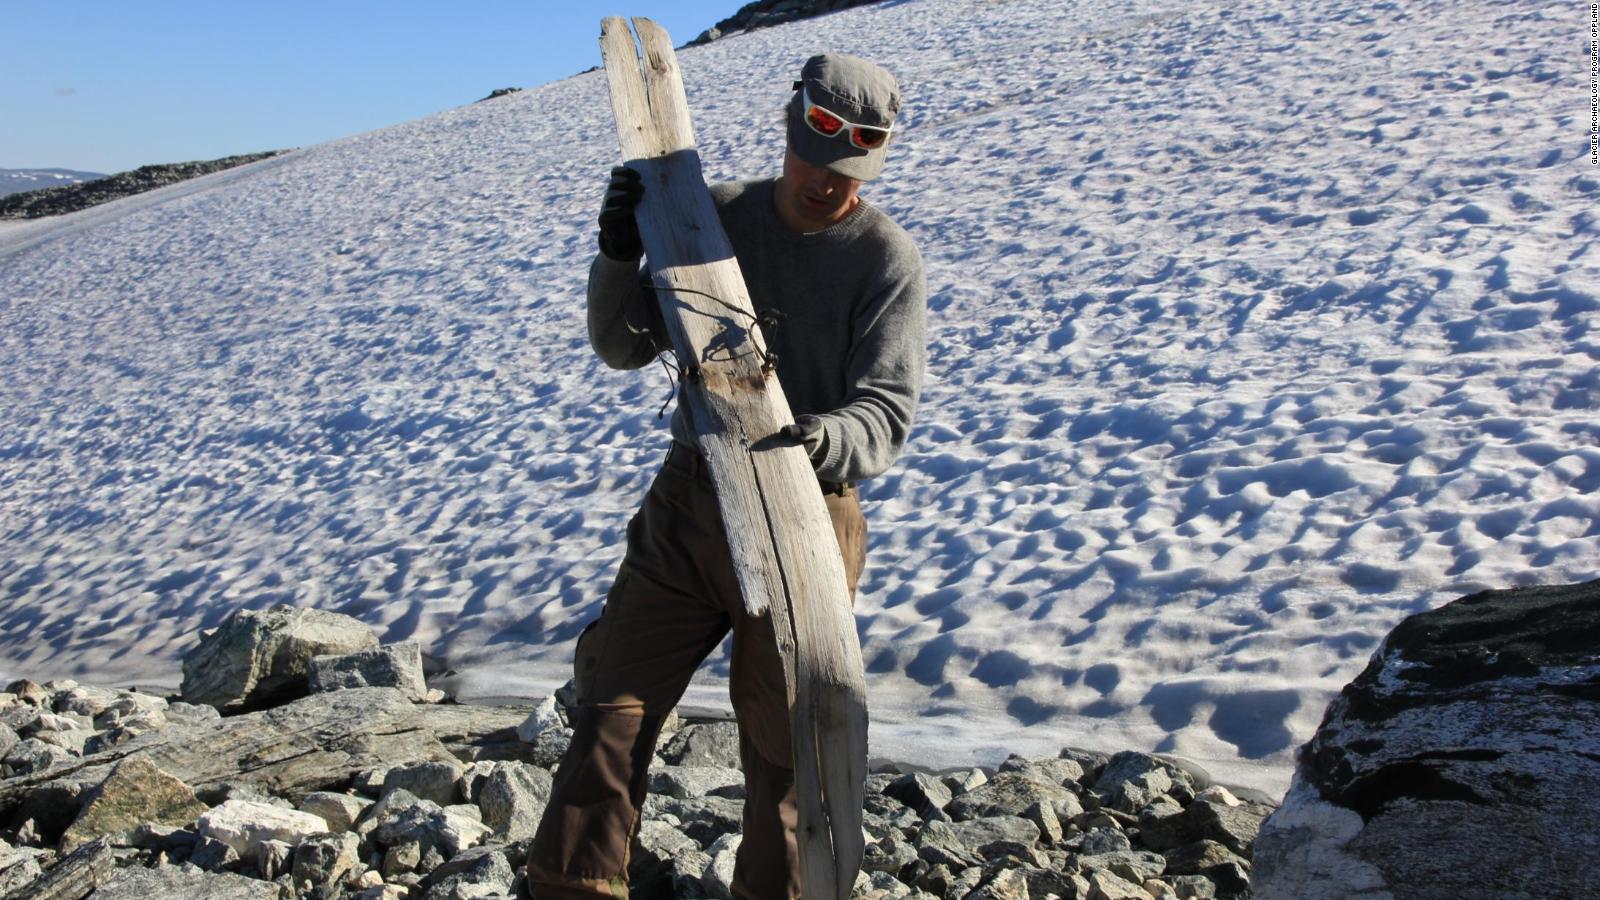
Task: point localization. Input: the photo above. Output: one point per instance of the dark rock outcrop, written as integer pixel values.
(766, 13)
(55, 201)
(1443, 769)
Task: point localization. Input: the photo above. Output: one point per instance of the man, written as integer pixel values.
(848, 285)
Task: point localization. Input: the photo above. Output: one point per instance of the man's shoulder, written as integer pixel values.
(892, 240)
(726, 194)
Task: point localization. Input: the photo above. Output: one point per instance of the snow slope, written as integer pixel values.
(1256, 327)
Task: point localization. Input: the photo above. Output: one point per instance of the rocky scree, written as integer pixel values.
(361, 791)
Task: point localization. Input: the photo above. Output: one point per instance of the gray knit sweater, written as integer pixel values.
(852, 342)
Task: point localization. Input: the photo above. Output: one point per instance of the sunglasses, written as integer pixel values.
(829, 124)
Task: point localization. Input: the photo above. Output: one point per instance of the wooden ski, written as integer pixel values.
(784, 549)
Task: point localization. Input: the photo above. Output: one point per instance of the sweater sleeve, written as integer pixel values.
(625, 326)
(884, 370)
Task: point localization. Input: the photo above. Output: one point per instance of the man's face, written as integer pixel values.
(811, 198)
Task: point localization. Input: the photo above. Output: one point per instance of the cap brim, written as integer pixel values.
(836, 154)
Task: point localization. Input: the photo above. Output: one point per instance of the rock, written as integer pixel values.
(1102, 840)
(766, 13)
(392, 665)
(258, 659)
(1105, 885)
(1163, 826)
(1065, 885)
(435, 780)
(961, 782)
(548, 748)
(245, 826)
(654, 867)
(73, 876)
(704, 744)
(477, 733)
(1234, 826)
(18, 868)
(84, 701)
(164, 839)
(1200, 857)
(940, 844)
(1134, 794)
(889, 855)
(1129, 765)
(717, 879)
(1192, 887)
(274, 858)
(1061, 771)
(1010, 795)
(513, 799)
(478, 872)
(980, 834)
(29, 692)
(180, 883)
(326, 858)
(1005, 884)
(1474, 727)
(73, 197)
(704, 819)
(544, 717)
(315, 743)
(920, 792)
(213, 855)
(404, 856)
(340, 811)
(412, 819)
(696, 781)
(33, 756)
(191, 713)
(1135, 866)
(880, 886)
(1043, 816)
(135, 793)
(8, 739)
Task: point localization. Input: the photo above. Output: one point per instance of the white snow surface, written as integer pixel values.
(1256, 327)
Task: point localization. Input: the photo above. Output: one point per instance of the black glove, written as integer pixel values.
(808, 430)
(619, 231)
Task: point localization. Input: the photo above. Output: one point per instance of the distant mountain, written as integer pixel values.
(52, 200)
(15, 181)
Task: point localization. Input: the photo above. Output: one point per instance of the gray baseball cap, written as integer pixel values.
(861, 93)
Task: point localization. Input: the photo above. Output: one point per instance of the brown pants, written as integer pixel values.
(674, 599)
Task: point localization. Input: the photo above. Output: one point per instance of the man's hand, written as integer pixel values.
(808, 431)
(619, 231)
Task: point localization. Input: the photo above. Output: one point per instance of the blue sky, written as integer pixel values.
(109, 86)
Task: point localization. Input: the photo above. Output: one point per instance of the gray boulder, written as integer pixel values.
(247, 826)
(665, 861)
(1441, 770)
(484, 871)
(1062, 771)
(133, 794)
(33, 756)
(435, 780)
(392, 665)
(696, 781)
(258, 659)
(704, 744)
(1011, 794)
(326, 858)
(513, 799)
(179, 883)
(921, 792)
(340, 811)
